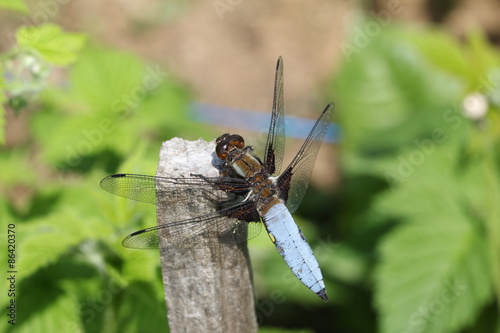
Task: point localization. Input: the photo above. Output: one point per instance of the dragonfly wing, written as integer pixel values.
(275, 145)
(294, 180)
(145, 188)
(207, 230)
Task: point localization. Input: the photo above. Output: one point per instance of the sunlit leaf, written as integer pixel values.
(54, 310)
(141, 308)
(16, 5)
(437, 252)
(3, 99)
(402, 98)
(51, 43)
(391, 98)
(424, 187)
(45, 243)
(483, 56)
(433, 276)
(442, 50)
(114, 101)
(2, 118)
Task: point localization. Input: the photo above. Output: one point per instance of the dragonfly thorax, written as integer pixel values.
(242, 160)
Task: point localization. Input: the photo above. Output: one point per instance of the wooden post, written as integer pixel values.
(207, 289)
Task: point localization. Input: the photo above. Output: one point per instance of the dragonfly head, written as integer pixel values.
(226, 143)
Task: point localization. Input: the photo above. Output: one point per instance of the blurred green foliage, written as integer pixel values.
(14, 5)
(106, 113)
(414, 241)
(52, 44)
(420, 159)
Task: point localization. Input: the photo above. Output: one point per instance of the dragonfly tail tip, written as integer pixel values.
(323, 295)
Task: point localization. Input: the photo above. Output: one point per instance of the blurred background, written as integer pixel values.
(403, 208)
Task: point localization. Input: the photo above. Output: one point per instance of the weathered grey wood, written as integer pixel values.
(207, 289)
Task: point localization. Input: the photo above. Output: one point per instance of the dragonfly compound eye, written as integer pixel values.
(221, 149)
(237, 141)
(223, 137)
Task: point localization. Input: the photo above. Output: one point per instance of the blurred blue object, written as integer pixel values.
(296, 127)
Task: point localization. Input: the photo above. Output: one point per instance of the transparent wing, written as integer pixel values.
(232, 223)
(146, 188)
(275, 145)
(207, 230)
(294, 180)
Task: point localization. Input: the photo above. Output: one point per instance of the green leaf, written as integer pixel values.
(442, 50)
(3, 99)
(106, 81)
(50, 237)
(141, 308)
(16, 169)
(140, 265)
(483, 57)
(51, 43)
(44, 243)
(432, 276)
(424, 187)
(43, 307)
(471, 61)
(391, 97)
(16, 5)
(73, 138)
(401, 88)
(435, 269)
(114, 101)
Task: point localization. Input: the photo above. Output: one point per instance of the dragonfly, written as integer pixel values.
(255, 191)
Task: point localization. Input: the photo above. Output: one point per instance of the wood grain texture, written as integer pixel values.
(207, 289)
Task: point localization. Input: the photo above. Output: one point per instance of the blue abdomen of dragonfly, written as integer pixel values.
(292, 245)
